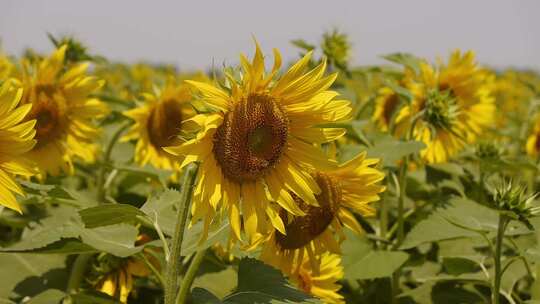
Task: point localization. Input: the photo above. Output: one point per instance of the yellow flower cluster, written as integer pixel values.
(450, 105)
(261, 139)
(46, 119)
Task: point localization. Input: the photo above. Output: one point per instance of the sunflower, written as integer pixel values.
(533, 141)
(351, 187)
(386, 104)
(157, 125)
(257, 146)
(63, 110)
(115, 276)
(452, 105)
(16, 138)
(319, 280)
(119, 283)
(513, 94)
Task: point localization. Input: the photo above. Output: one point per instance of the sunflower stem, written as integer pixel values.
(188, 279)
(171, 275)
(77, 272)
(401, 201)
(495, 289)
(400, 223)
(383, 230)
(100, 183)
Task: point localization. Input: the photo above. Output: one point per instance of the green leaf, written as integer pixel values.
(49, 296)
(219, 283)
(64, 222)
(203, 296)
(161, 209)
(260, 283)
(109, 214)
(436, 227)
(17, 267)
(66, 246)
(459, 265)
(118, 239)
(362, 262)
(405, 59)
(391, 150)
(192, 237)
(301, 43)
(92, 297)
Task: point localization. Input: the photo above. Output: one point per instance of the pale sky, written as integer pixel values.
(193, 34)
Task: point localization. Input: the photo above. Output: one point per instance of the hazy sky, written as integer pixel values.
(197, 33)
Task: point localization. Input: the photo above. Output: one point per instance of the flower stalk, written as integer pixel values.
(172, 272)
(495, 290)
(188, 279)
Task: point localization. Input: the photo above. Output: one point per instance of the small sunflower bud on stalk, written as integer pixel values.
(512, 201)
(487, 151)
(337, 48)
(75, 51)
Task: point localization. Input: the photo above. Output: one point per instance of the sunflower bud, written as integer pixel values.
(511, 198)
(336, 47)
(75, 51)
(487, 151)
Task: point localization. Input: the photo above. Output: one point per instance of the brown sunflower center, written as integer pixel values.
(303, 229)
(47, 113)
(164, 124)
(251, 138)
(389, 107)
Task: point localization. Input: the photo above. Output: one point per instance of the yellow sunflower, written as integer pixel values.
(157, 125)
(351, 187)
(257, 146)
(319, 280)
(513, 95)
(63, 110)
(16, 138)
(322, 281)
(533, 141)
(119, 283)
(386, 103)
(452, 106)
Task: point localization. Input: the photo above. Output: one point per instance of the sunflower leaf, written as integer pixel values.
(109, 214)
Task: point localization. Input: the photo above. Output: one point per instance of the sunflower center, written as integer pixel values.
(164, 124)
(389, 107)
(48, 117)
(303, 229)
(251, 139)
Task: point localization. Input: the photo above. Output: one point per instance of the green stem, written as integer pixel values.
(495, 290)
(171, 276)
(400, 224)
(383, 230)
(100, 183)
(401, 200)
(77, 272)
(188, 279)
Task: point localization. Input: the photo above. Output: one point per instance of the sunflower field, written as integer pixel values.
(310, 181)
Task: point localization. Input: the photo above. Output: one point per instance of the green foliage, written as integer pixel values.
(362, 262)
(257, 283)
